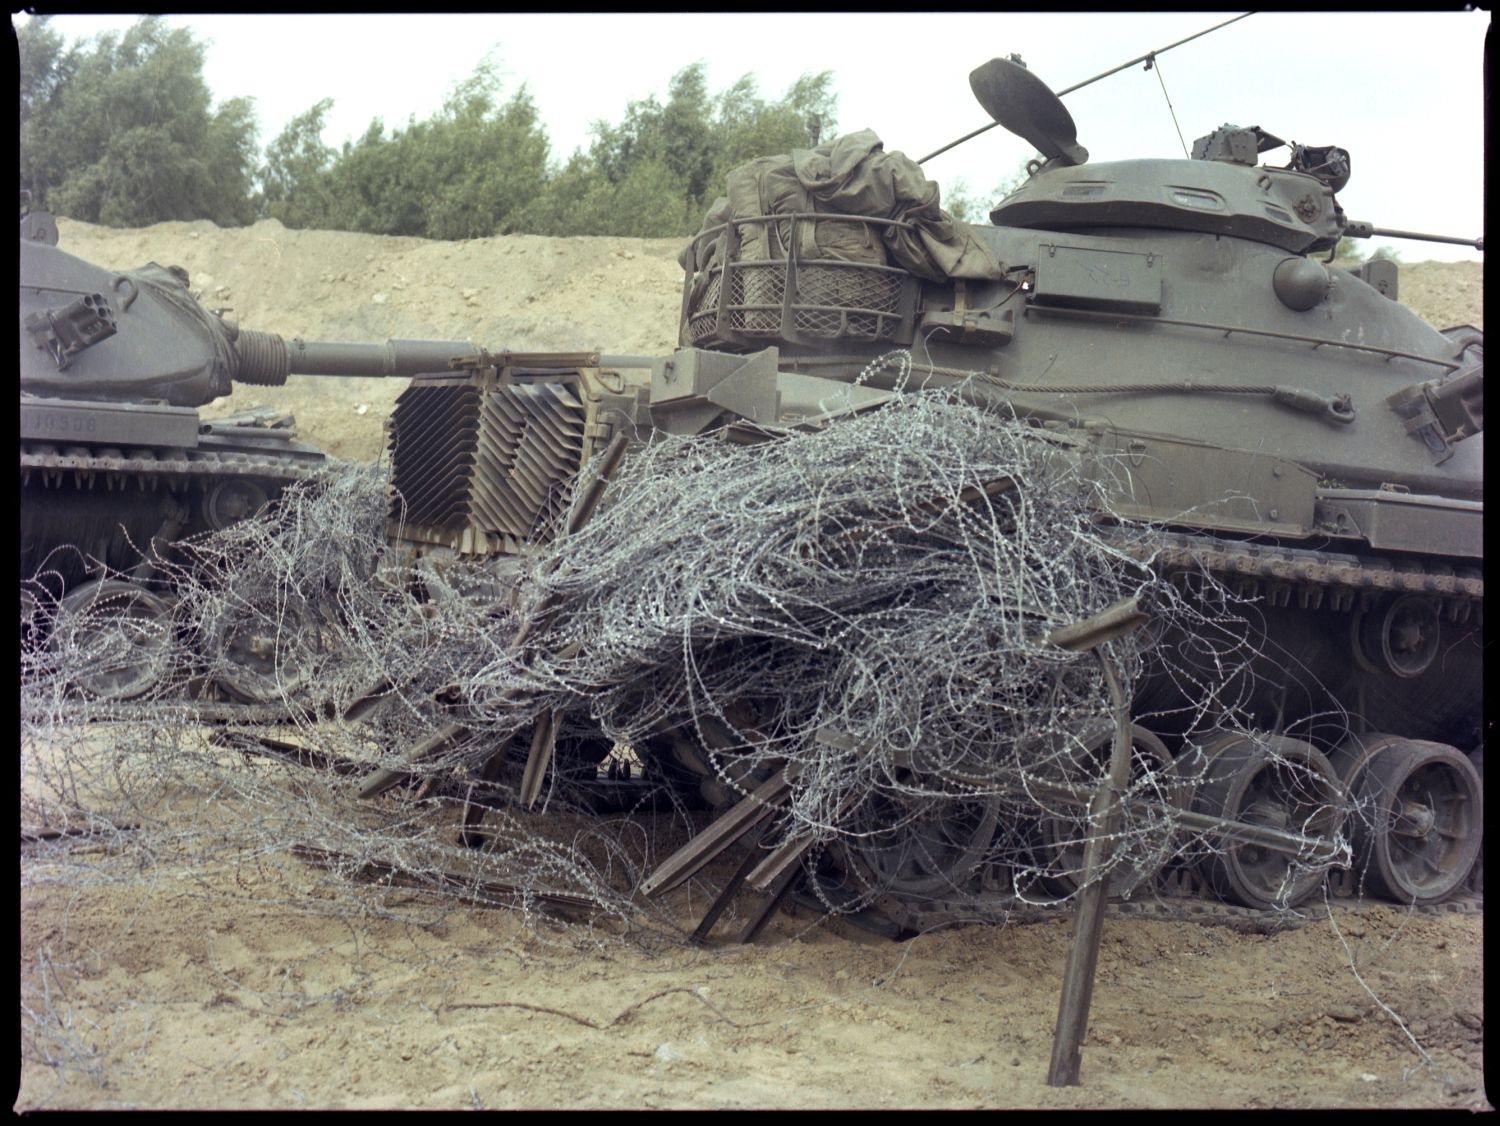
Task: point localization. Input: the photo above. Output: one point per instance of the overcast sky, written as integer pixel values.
(1402, 92)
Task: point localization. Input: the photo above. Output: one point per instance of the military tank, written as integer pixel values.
(1294, 431)
(117, 463)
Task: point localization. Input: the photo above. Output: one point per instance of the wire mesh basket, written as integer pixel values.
(730, 299)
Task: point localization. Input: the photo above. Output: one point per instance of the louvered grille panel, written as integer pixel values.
(496, 457)
(519, 488)
(564, 431)
(541, 423)
(503, 432)
(487, 470)
(434, 435)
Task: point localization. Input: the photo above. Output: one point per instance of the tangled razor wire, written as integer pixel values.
(866, 607)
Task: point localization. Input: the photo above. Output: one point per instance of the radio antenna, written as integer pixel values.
(1149, 56)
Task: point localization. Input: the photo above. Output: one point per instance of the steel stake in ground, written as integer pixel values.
(1104, 816)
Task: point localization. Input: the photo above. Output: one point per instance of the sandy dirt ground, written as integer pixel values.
(248, 979)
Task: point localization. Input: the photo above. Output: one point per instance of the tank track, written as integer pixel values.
(1281, 574)
(269, 463)
(1308, 577)
(84, 468)
(116, 483)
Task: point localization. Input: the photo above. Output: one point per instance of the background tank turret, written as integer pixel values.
(116, 460)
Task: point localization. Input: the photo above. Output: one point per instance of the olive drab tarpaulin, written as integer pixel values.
(851, 175)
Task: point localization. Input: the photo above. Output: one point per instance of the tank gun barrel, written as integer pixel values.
(267, 358)
(393, 358)
(1356, 229)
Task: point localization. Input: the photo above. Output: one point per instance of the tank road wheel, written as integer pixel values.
(934, 849)
(1279, 783)
(231, 500)
(113, 638)
(262, 652)
(1401, 638)
(1353, 756)
(1062, 837)
(1419, 820)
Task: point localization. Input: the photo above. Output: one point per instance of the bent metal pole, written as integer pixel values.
(1104, 817)
(1088, 924)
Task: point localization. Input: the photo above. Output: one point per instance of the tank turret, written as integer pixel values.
(1216, 192)
(103, 336)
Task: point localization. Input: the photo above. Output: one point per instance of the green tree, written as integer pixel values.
(481, 160)
(40, 49)
(573, 200)
(294, 184)
(1349, 250)
(748, 126)
(967, 208)
(370, 191)
(461, 173)
(677, 136)
(961, 205)
(122, 131)
(656, 172)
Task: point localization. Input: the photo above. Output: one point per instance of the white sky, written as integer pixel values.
(1402, 92)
